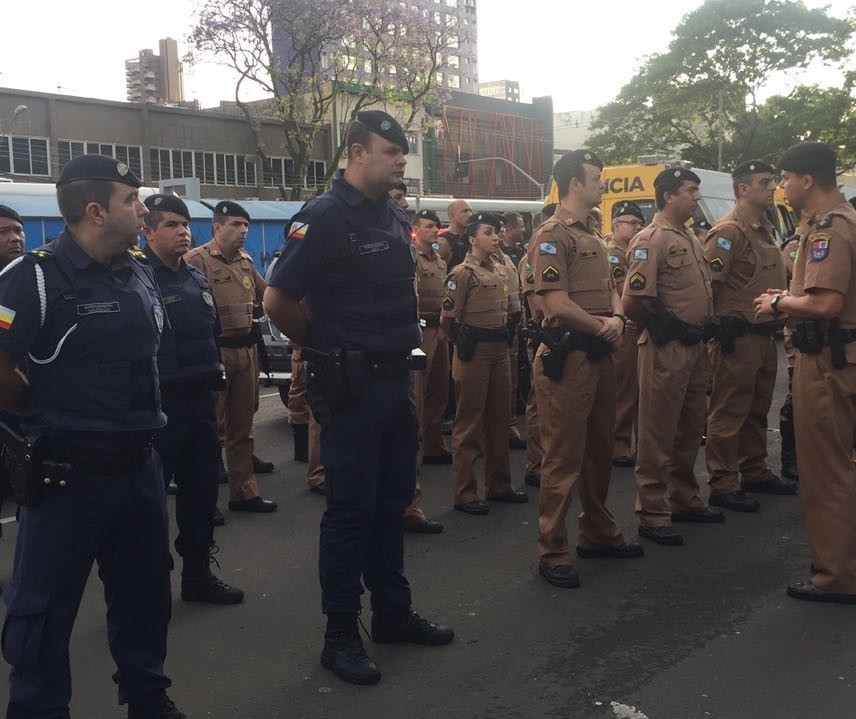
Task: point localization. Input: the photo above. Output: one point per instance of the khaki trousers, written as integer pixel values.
(743, 384)
(825, 417)
(672, 409)
(432, 391)
(482, 388)
(534, 448)
(576, 419)
(298, 406)
(235, 409)
(627, 392)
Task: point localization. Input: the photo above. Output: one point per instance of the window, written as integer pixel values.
(413, 143)
(67, 150)
(453, 81)
(272, 172)
(24, 156)
(315, 172)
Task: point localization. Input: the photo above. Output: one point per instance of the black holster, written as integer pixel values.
(30, 474)
(553, 361)
(807, 337)
(338, 374)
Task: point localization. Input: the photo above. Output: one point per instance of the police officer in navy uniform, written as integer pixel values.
(350, 260)
(190, 371)
(86, 315)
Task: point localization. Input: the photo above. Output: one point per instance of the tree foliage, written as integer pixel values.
(322, 61)
(705, 88)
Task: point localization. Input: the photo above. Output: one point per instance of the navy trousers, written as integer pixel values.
(368, 449)
(189, 449)
(120, 521)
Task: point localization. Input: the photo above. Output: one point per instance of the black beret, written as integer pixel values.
(701, 223)
(384, 125)
(483, 218)
(427, 215)
(750, 167)
(676, 173)
(808, 157)
(10, 214)
(97, 167)
(576, 158)
(168, 203)
(228, 208)
(627, 208)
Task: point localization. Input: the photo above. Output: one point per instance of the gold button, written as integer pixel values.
(47, 480)
(62, 483)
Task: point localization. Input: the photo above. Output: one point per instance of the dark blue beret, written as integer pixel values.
(231, 209)
(10, 214)
(385, 125)
(483, 218)
(427, 215)
(168, 203)
(670, 174)
(575, 158)
(750, 167)
(97, 167)
(627, 208)
(808, 157)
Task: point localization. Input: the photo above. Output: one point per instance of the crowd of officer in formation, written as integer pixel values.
(125, 369)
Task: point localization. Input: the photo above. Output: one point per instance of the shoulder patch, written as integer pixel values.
(640, 254)
(793, 255)
(41, 254)
(448, 303)
(618, 273)
(548, 248)
(614, 260)
(138, 255)
(550, 274)
(819, 246)
(825, 221)
(638, 281)
(451, 285)
(297, 231)
(723, 243)
(716, 264)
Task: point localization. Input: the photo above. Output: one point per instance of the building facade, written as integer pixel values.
(508, 90)
(156, 142)
(156, 79)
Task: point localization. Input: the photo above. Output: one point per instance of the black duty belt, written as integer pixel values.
(115, 456)
(388, 365)
(237, 342)
(575, 341)
(482, 334)
(430, 320)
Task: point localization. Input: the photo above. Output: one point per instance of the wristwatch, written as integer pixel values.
(774, 303)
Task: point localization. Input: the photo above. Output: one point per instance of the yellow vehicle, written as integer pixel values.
(636, 183)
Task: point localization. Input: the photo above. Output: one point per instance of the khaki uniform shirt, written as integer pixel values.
(477, 294)
(515, 303)
(236, 285)
(430, 273)
(744, 262)
(826, 259)
(617, 262)
(527, 286)
(568, 255)
(667, 262)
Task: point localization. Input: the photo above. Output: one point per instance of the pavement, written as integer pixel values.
(703, 630)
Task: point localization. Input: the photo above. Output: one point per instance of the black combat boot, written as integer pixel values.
(408, 626)
(199, 584)
(156, 705)
(301, 442)
(344, 653)
(789, 448)
(260, 466)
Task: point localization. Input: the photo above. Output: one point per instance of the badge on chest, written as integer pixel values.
(98, 308)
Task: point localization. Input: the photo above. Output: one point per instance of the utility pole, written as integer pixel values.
(721, 138)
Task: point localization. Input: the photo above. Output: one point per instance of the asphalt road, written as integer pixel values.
(704, 630)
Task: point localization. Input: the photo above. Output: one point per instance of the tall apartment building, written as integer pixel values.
(501, 89)
(460, 66)
(156, 79)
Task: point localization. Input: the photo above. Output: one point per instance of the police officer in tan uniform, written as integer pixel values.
(574, 375)
(627, 220)
(515, 313)
(475, 310)
(534, 314)
(668, 292)
(744, 261)
(236, 284)
(431, 385)
(822, 299)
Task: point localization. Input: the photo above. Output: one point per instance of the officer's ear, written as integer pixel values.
(95, 213)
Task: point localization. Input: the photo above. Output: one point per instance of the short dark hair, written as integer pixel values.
(357, 134)
(825, 178)
(740, 180)
(153, 219)
(428, 219)
(564, 173)
(669, 184)
(73, 197)
(219, 219)
(509, 218)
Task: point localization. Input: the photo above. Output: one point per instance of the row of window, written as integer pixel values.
(30, 156)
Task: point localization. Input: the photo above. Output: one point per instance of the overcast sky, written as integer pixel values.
(578, 51)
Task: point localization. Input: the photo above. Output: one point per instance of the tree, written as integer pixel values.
(700, 99)
(323, 61)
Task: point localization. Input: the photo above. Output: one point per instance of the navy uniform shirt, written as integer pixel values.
(352, 262)
(189, 348)
(89, 335)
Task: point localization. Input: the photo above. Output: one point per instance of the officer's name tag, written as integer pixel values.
(171, 299)
(373, 247)
(98, 308)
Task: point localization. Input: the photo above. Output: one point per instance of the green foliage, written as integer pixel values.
(704, 89)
